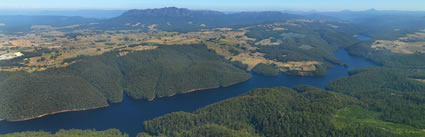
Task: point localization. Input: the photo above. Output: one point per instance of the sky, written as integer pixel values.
(222, 5)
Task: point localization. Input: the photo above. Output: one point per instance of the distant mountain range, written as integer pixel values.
(181, 19)
(170, 12)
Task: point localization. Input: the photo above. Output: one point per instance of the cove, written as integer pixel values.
(130, 115)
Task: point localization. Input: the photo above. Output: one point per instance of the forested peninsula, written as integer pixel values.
(96, 81)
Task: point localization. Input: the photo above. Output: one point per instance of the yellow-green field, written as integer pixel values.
(420, 80)
(410, 44)
(267, 42)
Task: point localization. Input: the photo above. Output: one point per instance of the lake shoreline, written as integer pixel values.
(200, 89)
(86, 109)
(56, 112)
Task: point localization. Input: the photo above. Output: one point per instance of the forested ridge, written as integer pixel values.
(275, 112)
(393, 92)
(95, 81)
(378, 102)
(177, 69)
(396, 90)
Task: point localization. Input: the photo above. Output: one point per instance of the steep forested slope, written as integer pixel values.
(276, 112)
(177, 69)
(94, 81)
(280, 112)
(25, 95)
(393, 92)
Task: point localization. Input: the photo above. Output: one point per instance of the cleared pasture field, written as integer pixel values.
(410, 44)
(267, 42)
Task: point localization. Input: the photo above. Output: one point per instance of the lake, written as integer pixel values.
(363, 37)
(130, 115)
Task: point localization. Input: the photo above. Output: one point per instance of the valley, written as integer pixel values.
(106, 64)
(132, 116)
(177, 72)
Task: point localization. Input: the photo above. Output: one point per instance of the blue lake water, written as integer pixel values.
(130, 115)
(363, 37)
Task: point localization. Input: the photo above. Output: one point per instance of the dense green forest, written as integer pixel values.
(393, 92)
(95, 81)
(177, 69)
(380, 102)
(286, 112)
(266, 70)
(29, 95)
(275, 112)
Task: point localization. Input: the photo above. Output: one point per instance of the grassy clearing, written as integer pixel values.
(420, 80)
(306, 47)
(354, 116)
(399, 46)
(279, 29)
(333, 26)
(267, 42)
(410, 44)
(251, 59)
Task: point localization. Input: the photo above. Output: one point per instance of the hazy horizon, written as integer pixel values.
(229, 11)
(218, 5)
